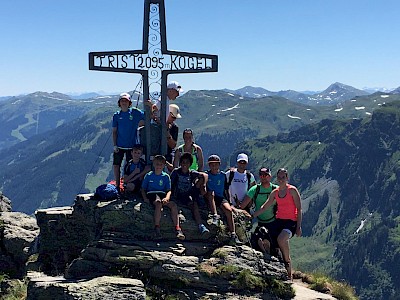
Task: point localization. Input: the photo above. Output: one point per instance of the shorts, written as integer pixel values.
(219, 200)
(188, 198)
(119, 156)
(137, 183)
(289, 226)
(153, 196)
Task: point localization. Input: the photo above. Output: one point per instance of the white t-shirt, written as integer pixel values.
(239, 185)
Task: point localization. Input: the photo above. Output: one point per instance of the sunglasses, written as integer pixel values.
(264, 174)
(242, 162)
(281, 177)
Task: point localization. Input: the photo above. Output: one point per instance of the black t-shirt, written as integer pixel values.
(182, 184)
(173, 131)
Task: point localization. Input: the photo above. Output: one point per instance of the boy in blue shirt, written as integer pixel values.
(217, 189)
(135, 170)
(124, 127)
(156, 189)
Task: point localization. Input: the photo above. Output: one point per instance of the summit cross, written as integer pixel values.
(154, 62)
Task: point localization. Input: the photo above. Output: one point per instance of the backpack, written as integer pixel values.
(232, 174)
(106, 192)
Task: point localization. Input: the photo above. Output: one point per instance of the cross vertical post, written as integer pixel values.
(154, 62)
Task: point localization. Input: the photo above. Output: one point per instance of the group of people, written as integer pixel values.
(180, 178)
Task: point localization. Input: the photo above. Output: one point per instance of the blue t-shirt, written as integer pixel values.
(217, 183)
(127, 123)
(156, 183)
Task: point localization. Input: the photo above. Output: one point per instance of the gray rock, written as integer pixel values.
(5, 203)
(105, 287)
(17, 232)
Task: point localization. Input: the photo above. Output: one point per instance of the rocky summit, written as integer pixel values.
(99, 248)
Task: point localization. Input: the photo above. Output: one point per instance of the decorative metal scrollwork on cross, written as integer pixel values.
(154, 62)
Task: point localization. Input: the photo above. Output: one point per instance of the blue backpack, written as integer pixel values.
(106, 192)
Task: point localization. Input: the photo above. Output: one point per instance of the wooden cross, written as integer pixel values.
(154, 62)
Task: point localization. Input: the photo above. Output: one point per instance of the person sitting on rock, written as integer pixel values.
(216, 195)
(135, 170)
(240, 180)
(156, 189)
(186, 187)
(264, 240)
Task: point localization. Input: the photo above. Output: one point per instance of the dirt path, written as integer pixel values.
(304, 293)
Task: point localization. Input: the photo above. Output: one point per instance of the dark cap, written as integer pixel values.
(214, 158)
(265, 170)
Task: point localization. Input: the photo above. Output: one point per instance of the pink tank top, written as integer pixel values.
(286, 207)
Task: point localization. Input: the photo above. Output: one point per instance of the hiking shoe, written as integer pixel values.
(157, 233)
(180, 235)
(234, 240)
(216, 220)
(204, 232)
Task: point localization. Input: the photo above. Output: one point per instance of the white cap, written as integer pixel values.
(175, 86)
(242, 156)
(124, 96)
(174, 111)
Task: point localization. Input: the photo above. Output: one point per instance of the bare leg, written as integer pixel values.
(211, 203)
(117, 175)
(264, 245)
(157, 212)
(174, 213)
(130, 187)
(226, 207)
(196, 213)
(283, 242)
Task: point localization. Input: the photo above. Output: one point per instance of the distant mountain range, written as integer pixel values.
(334, 94)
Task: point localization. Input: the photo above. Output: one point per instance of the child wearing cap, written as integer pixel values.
(217, 195)
(125, 123)
(156, 190)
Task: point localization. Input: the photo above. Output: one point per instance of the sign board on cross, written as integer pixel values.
(154, 62)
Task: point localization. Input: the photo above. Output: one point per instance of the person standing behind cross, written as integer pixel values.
(239, 181)
(173, 91)
(172, 134)
(125, 123)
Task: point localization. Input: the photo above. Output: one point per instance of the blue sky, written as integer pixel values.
(277, 45)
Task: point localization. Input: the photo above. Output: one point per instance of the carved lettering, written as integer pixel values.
(173, 62)
(111, 59)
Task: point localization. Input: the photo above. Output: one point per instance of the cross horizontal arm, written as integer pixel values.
(138, 61)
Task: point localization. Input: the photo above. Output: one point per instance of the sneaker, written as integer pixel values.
(180, 235)
(216, 220)
(204, 232)
(157, 233)
(234, 240)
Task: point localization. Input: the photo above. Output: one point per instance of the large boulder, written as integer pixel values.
(17, 235)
